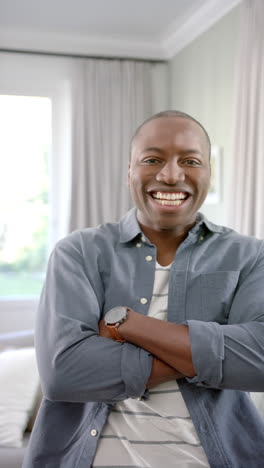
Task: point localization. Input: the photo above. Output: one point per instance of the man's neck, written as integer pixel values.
(166, 236)
(166, 241)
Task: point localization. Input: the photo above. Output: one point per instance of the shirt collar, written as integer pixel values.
(202, 220)
(129, 227)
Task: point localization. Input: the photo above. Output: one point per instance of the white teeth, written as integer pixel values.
(169, 196)
(169, 202)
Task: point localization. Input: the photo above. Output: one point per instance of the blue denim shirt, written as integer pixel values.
(216, 286)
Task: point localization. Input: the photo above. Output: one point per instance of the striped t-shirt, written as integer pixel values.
(156, 432)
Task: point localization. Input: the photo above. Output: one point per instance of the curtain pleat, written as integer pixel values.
(246, 201)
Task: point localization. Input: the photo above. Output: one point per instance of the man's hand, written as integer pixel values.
(103, 330)
(169, 342)
(161, 373)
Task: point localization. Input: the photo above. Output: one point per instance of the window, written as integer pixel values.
(25, 147)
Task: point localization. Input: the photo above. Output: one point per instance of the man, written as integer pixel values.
(150, 331)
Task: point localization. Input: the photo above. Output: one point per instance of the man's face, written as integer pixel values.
(169, 174)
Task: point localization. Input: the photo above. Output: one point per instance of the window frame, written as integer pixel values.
(40, 76)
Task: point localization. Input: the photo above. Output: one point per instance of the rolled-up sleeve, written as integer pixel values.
(232, 355)
(75, 363)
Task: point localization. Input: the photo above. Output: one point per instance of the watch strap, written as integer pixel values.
(115, 333)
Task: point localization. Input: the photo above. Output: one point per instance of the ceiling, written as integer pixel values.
(153, 29)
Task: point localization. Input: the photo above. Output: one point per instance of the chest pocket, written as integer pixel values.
(217, 292)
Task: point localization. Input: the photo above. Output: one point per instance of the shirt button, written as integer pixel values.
(143, 300)
(138, 244)
(201, 238)
(93, 432)
(143, 239)
(148, 258)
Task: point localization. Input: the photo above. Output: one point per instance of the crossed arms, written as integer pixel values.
(169, 344)
(78, 362)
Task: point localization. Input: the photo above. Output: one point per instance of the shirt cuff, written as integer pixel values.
(136, 365)
(207, 347)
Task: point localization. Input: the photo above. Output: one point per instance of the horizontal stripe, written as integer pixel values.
(118, 466)
(164, 442)
(155, 415)
(160, 295)
(150, 442)
(158, 392)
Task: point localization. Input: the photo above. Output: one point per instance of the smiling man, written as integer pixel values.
(150, 331)
(169, 175)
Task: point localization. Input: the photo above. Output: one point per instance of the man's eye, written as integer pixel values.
(151, 161)
(192, 162)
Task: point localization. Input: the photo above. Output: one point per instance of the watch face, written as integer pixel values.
(115, 315)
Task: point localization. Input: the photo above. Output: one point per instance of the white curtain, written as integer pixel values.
(247, 196)
(110, 99)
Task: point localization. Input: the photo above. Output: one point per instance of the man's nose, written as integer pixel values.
(171, 173)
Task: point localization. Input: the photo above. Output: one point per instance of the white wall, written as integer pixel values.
(203, 85)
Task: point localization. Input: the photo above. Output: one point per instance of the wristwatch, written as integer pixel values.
(113, 318)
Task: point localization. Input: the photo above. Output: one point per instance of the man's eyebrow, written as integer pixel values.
(159, 150)
(152, 148)
(191, 151)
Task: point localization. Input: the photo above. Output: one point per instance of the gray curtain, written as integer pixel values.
(247, 194)
(109, 99)
(246, 198)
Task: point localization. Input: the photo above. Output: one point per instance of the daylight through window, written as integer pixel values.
(25, 145)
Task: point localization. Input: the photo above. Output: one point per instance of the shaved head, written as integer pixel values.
(171, 113)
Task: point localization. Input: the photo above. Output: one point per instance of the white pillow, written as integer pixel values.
(19, 382)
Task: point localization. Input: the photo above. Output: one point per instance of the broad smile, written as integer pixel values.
(169, 199)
